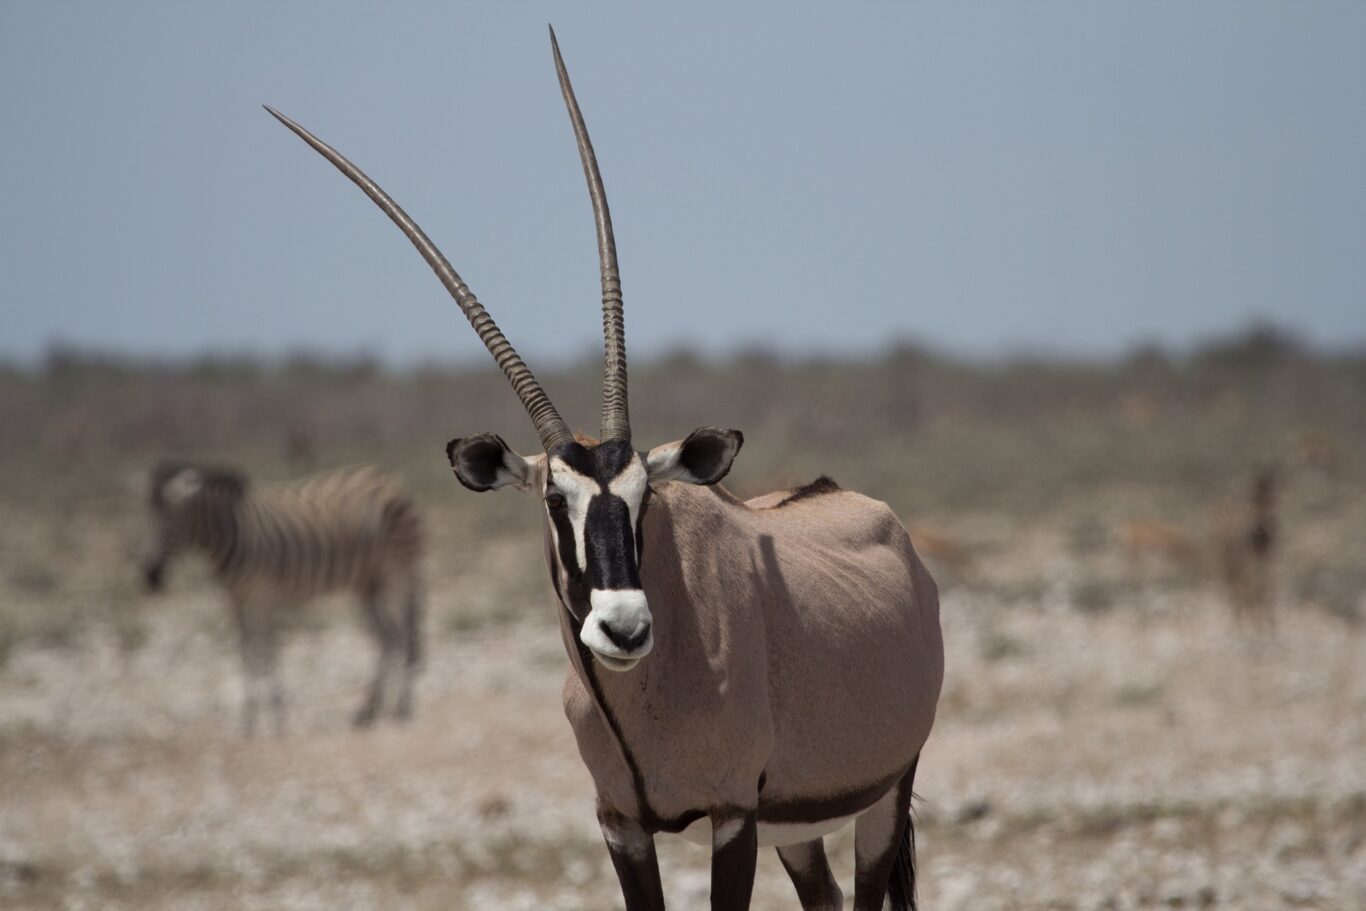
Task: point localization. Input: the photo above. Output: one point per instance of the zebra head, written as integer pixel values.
(593, 494)
(187, 506)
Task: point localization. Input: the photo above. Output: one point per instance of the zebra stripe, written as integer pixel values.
(276, 546)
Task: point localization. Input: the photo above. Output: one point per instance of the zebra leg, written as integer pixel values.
(411, 624)
(247, 645)
(882, 840)
(270, 646)
(810, 872)
(385, 636)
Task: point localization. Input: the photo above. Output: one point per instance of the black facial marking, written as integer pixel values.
(576, 456)
(574, 595)
(611, 457)
(611, 547)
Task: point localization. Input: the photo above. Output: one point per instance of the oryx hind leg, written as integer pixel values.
(809, 869)
(884, 850)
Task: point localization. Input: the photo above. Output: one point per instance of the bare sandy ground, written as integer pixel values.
(1135, 758)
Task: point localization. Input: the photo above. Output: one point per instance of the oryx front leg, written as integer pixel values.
(633, 856)
(734, 850)
(809, 869)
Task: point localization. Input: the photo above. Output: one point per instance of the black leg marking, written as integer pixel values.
(809, 869)
(637, 866)
(734, 850)
(879, 837)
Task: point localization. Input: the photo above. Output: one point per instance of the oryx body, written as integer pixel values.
(739, 671)
(795, 672)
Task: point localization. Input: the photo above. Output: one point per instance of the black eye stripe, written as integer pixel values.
(564, 540)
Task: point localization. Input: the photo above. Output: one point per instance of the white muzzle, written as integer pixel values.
(618, 628)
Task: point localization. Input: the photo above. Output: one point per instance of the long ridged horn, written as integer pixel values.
(616, 414)
(549, 425)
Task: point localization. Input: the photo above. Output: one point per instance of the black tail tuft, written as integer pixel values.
(901, 887)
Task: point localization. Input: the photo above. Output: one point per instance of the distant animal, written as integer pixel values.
(1145, 539)
(1249, 538)
(273, 547)
(744, 673)
(1239, 551)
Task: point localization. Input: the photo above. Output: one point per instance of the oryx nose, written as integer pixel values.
(627, 642)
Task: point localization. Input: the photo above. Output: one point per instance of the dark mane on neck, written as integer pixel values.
(822, 485)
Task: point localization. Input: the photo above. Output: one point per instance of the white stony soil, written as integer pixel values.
(1140, 757)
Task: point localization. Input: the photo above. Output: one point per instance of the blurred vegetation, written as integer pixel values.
(991, 451)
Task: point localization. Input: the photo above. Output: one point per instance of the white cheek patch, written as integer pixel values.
(578, 491)
(630, 485)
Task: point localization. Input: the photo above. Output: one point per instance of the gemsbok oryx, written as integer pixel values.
(273, 547)
(743, 673)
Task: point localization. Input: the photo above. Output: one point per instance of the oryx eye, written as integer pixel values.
(554, 499)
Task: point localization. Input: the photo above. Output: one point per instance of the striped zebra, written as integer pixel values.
(273, 547)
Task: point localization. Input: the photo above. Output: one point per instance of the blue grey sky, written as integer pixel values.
(1055, 177)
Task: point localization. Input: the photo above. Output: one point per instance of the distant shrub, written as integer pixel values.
(1094, 596)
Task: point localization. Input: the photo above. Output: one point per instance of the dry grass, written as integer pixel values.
(1106, 739)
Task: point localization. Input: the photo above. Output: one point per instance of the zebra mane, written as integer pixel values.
(217, 478)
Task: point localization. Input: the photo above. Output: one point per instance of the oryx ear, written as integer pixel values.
(484, 462)
(703, 458)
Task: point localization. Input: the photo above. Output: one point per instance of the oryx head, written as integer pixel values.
(594, 495)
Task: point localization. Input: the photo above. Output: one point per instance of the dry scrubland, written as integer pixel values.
(1106, 738)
